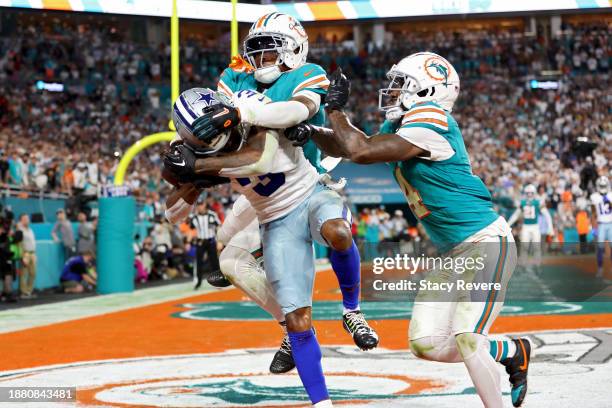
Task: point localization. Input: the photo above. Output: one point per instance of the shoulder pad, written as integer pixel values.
(309, 76)
(428, 115)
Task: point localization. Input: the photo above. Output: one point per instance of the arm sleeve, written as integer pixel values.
(310, 77)
(438, 147)
(275, 115)
(514, 217)
(548, 218)
(179, 211)
(262, 166)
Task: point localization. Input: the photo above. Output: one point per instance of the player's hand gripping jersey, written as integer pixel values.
(290, 178)
(305, 81)
(441, 190)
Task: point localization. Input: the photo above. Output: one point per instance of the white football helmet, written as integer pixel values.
(530, 190)
(187, 108)
(280, 33)
(603, 185)
(420, 77)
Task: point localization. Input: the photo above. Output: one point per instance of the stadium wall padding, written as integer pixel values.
(115, 253)
(49, 263)
(47, 206)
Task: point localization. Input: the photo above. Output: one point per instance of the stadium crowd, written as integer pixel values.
(115, 93)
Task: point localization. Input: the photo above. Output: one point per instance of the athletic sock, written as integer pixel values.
(483, 371)
(600, 255)
(307, 357)
(502, 349)
(346, 266)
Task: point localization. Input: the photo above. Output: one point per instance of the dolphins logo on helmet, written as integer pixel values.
(420, 77)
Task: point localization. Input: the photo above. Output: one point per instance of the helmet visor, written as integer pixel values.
(263, 50)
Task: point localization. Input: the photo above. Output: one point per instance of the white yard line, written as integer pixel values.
(41, 315)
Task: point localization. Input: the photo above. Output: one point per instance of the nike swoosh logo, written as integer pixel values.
(223, 112)
(181, 163)
(308, 72)
(525, 358)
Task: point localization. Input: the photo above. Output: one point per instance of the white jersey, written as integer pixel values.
(603, 207)
(277, 193)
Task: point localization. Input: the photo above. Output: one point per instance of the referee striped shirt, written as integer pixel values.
(206, 224)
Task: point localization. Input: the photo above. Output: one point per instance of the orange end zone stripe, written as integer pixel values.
(326, 10)
(57, 4)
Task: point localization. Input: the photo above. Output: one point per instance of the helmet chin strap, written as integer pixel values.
(267, 75)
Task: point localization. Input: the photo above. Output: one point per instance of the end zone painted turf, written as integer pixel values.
(160, 358)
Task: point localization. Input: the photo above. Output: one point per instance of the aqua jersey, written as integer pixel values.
(448, 199)
(531, 211)
(308, 77)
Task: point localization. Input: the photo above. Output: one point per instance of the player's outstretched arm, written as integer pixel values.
(345, 140)
(348, 142)
(255, 158)
(548, 218)
(359, 148)
(515, 216)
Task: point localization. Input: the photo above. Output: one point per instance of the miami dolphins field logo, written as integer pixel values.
(329, 310)
(378, 379)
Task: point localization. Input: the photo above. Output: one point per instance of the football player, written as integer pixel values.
(275, 65)
(531, 209)
(292, 207)
(601, 213)
(424, 147)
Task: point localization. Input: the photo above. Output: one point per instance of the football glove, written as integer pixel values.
(338, 91)
(180, 161)
(299, 134)
(214, 120)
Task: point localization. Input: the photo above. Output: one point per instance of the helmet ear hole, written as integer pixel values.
(423, 93)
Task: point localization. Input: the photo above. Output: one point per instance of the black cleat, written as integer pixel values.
(217, 279)
(517, 367)
(363, 335)
(283, 359)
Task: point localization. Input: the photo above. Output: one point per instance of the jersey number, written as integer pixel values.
(605, 208)
(266, 185)
(412, 195)
(529, 212)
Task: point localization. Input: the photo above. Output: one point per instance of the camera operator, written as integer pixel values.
(7, 272)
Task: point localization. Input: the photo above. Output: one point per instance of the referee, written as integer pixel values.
(205, 222)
